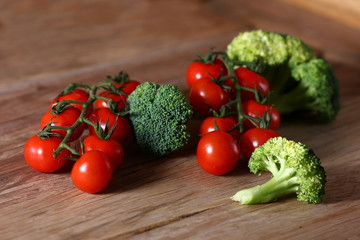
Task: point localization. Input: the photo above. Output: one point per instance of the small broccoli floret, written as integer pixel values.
(251, 46)
(315, 88)
(159, 115)
(293, 71)
(295, 170)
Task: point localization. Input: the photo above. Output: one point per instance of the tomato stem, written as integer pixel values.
(59, 106)
(73, 86)
(230, 66)
(121, 78)
(72, 150)
(82, 118)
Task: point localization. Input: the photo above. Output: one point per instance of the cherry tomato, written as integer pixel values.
(254, 138)
(210, 124)
(92, 172)
(111, 148)
(253, 80)
(128, 87)
(104, 115)
(38, 154)
(257, 110)
(78, 95)
(205, 95)
(199, 70)
(64, 119)
(119, 99)
(217, 153)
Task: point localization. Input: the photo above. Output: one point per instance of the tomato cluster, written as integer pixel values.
(85, 123)
(233, 103)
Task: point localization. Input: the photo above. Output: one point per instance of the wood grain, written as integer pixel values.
(346, 11)
(44, 45)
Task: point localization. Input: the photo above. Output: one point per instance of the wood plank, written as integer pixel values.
(346, 11)
(169, 197)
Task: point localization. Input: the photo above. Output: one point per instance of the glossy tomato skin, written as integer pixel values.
(205, 95)
(119, 99)
(64, 119)
(92, 172)
(224, 124)
(256, 110)
(128, 87)
(104, 115)
(77, 95)
(38, 154)
(199, 70)
(113, 149)
(253, 80)
(217, 153)
(254, 138)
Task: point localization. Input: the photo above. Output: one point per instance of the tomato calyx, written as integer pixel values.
(113, 105)
(259, 97)
(260, 121)
(121, 78)
(231, 67)
(221, 81)
(103, 133)
(209, 58)
(46, 132)
(60, 107)
(240, 83)
(119, 105)
(71, 87)
(258, 65)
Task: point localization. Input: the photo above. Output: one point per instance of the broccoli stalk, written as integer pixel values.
(295, 170)
(159, 116)
(317, 90)
(300, 81)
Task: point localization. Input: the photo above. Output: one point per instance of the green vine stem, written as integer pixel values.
(61, 105)
(121, 78)
(209, 58)
(230, 66)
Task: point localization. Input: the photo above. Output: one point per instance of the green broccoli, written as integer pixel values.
(159, 115)
(295, 169)
(300, 81)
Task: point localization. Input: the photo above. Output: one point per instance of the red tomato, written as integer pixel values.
(217, 153)
(250, 79)
(205, 95)
(199, 70)
(38, 154)
(224, 124)
(111, 148)
(119, 99)
(257, 110)
(64, 119)
(254, 138)
(104, 115)
(128, 87)
(78, 95)
(92, 172)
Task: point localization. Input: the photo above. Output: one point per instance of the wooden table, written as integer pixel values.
(44, 45)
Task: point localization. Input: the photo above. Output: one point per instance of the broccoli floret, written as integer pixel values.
(295, 169)
(317, 90)
(159, 115)
(293, 71)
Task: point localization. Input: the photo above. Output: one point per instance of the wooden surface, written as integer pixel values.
(44, 45)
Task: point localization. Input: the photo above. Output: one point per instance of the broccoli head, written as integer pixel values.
(293, 70)
(295, 170)
(159, 115)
